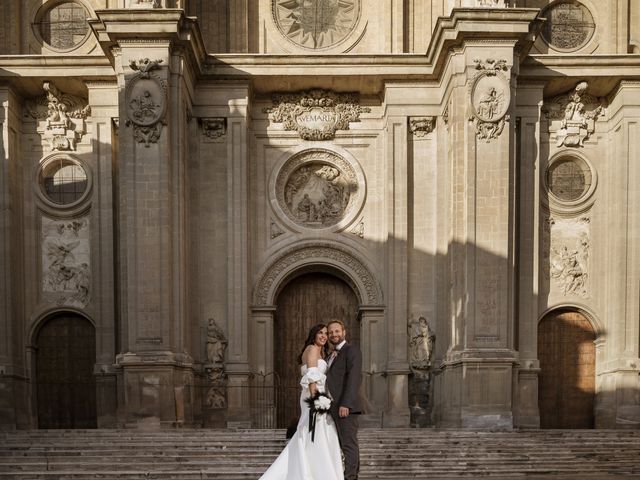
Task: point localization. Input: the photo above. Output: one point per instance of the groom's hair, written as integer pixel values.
(339, 322)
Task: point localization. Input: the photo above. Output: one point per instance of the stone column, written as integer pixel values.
(397, 408)
(14, 395)
(103, 99)
(528, 155)
(155, 75)
(478, 369)
(374, 381)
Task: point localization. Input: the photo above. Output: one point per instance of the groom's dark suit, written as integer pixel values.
(343, 381)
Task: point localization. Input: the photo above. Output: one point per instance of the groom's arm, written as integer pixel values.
(352, 379)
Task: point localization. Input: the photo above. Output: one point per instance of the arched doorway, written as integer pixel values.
(566, 386)
(306, 300)
(65, 355)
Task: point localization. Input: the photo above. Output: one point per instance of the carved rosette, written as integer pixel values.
(566, 263)
(316, 114)
(490, 98)
(318, 189)
(61, 117)
(146, 101)
(420, 127)
(572, 116)
(66, 272)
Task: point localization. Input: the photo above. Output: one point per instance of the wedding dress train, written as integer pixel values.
(303, 459)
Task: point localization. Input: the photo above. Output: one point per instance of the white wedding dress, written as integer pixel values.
(303, 459)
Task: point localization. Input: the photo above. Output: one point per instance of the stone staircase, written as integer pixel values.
(385, 454)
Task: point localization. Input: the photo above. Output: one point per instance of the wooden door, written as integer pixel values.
(65, 385)
(305, 301)
(566, 387)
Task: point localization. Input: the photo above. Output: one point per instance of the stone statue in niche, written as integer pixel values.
(577, 112)
(65, 261)
(317, 194)
(421, 344)
(216, 343)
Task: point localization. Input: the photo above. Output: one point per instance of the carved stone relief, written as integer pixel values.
(567, 248)
(274, 230)
(317, 254)
(214, 130)
(317, 188)
(569, 25)
(216, 393)
(490, 3)
(214, 368)
(317, 24)
(358, 229)
(66, 273)
(572, 116)
(216, 343)
(422, 126)
(61, 117)
(144, 4)
(490, 98)
(146, 101)
(316, 114)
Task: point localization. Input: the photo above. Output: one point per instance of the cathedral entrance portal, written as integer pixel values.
(566, 389)
(306, 300)
(65, 356)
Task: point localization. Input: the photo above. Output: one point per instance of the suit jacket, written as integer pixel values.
(344, 377)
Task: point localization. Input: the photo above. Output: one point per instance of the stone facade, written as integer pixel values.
(467, 167)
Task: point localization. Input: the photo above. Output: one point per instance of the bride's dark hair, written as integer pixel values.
(311, 338)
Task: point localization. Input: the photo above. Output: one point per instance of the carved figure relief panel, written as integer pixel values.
(319, 189)
(569, 25)
(146, 101)
(316, 24)
(490, 98)
(567, 245)
(66, 272)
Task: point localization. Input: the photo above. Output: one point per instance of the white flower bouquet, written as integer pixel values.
(319, 404)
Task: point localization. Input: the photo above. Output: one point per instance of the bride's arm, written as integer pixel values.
(313, 355)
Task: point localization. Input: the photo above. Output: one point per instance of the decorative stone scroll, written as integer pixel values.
(567, 246)
(61, 117)
(316, 114)
(301, 256)
(214, 129)
(420, 127)
(317, 24)
(66, 274)
(318, 188)
(146, 100)
(573, 115)
(490, 98)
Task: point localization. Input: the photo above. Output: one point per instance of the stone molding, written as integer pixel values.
(315, 114)
(317, 253)
(214, 130)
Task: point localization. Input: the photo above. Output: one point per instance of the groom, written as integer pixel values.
(343, 381)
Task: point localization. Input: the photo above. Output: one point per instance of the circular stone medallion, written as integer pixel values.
(316, 24)
(145, 102)
(569, 25)
(318, 189)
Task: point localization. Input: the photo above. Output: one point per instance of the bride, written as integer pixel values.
(305, 458)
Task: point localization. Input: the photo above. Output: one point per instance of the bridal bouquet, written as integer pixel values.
(319, 404)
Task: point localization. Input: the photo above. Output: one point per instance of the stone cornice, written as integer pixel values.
(547, 66)
(149, 26)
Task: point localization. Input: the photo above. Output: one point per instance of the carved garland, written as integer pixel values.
(316, 254)
(316, 114)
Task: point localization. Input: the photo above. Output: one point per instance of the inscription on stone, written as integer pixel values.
(317, 119)
(569, 25)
